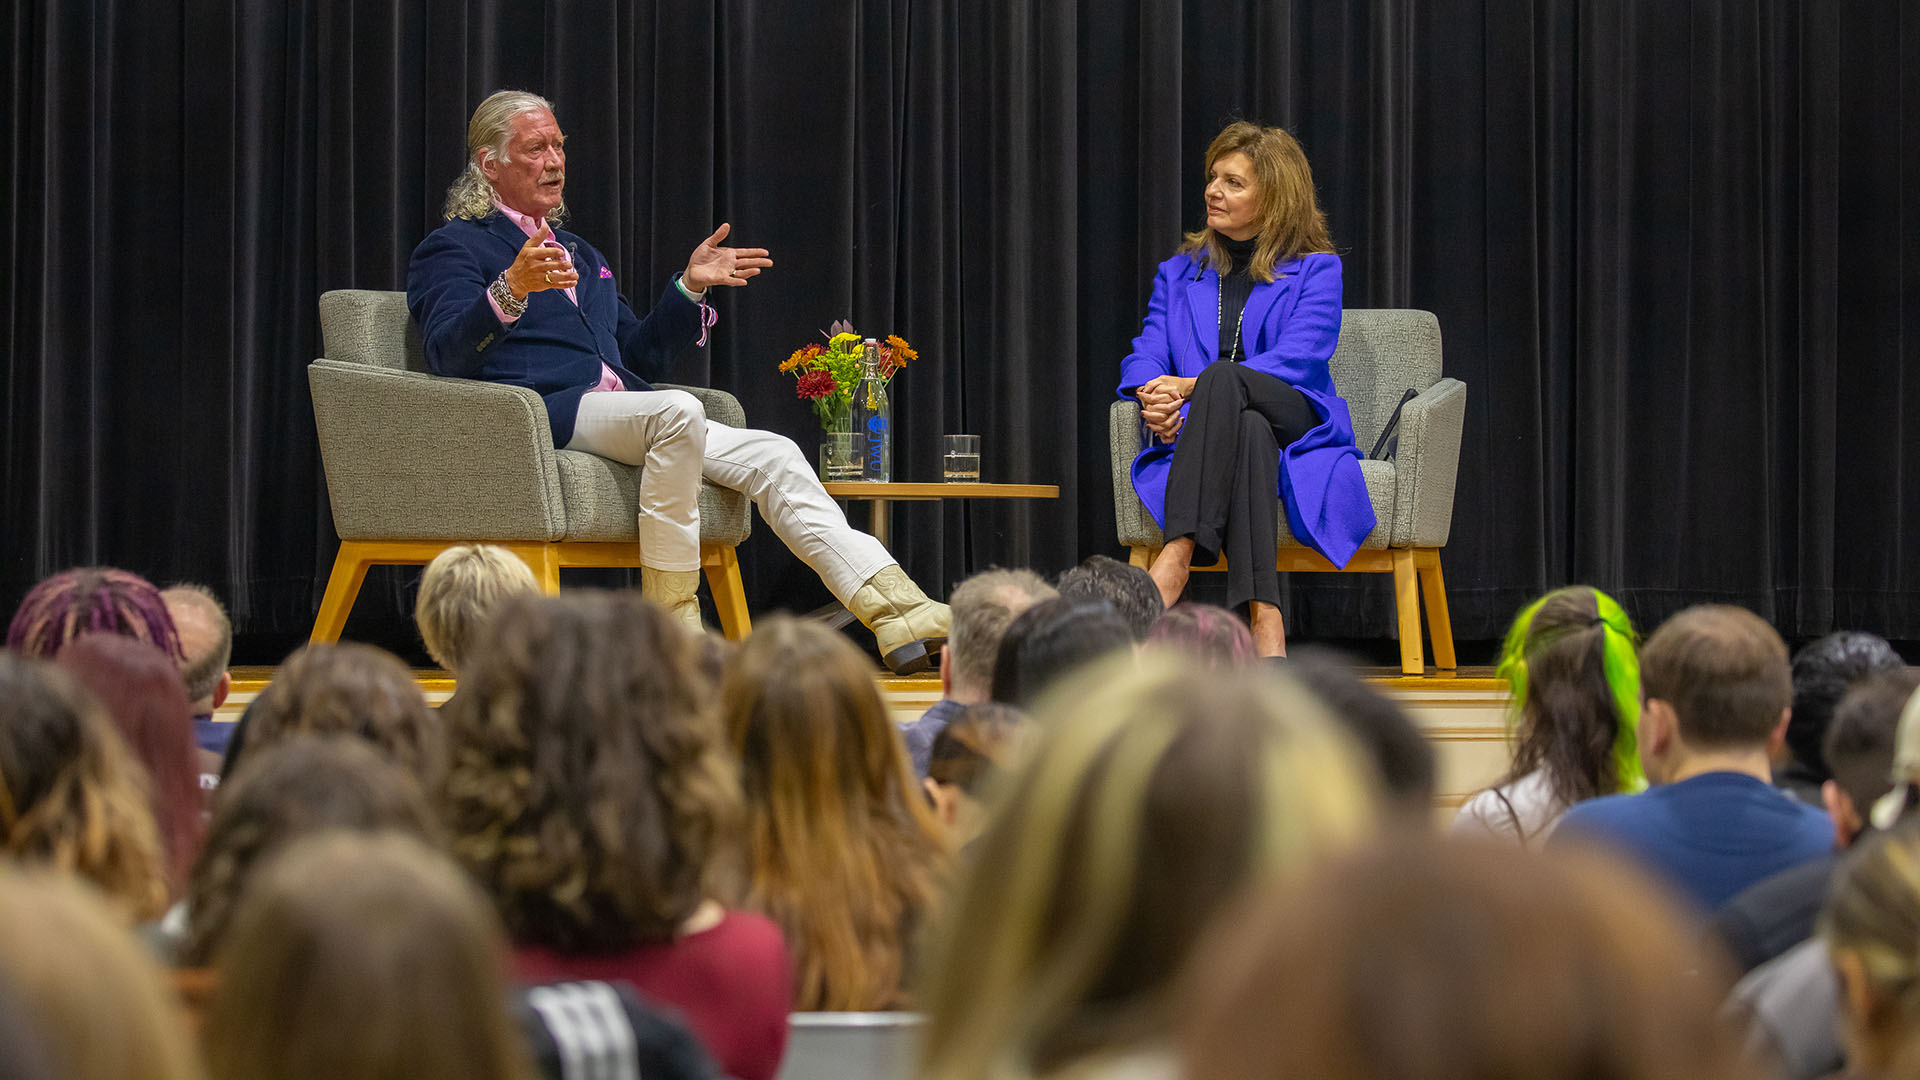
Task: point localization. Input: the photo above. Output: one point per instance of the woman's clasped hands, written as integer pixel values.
(1160, 401)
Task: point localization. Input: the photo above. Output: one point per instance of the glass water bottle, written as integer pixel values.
(873, 417)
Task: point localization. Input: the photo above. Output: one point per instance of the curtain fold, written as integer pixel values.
(1673, 251)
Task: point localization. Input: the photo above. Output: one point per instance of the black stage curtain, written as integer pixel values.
(1673, 248)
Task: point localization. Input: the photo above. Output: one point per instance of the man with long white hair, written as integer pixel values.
(502, 294)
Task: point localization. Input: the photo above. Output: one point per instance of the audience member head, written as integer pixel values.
(841, 848)
(1575, 684)
(90, 600)
(1205, 632)
(1859, 748)
(982, 607)
(1715, 680)
(72, 797)
(1128, 588)
(1426, 960)
(94, 999)
(1402, 757)
(1822, 672)
(1871, 924)
(1050, 639)
(206, 643)
(590, 791)
(1151, 796)
(302, 785)
(142, 692)
(1904, 796)
(967, 754)
(351, 689)
(396, 963)
(462, 587)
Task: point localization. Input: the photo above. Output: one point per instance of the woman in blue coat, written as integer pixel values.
(1231, 373)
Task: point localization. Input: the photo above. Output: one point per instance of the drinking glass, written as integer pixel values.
(961, 461)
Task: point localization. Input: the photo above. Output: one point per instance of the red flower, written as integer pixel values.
(815, 384)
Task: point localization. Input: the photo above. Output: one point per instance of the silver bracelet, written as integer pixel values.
(510, 305)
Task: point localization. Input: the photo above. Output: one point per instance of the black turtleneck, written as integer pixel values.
(1235, 286)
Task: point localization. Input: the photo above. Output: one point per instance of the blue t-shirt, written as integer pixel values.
(1711, 835)
(919, 734)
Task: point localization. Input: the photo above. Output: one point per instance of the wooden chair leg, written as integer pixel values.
(722, 564)
(1433, 591)
(544, 561)
(1406, 596)
(343, 585)
(1142, 556)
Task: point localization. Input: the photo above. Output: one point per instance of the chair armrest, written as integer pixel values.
(1134, 524)
(1427, 465)
(422, 457)
(721, 407)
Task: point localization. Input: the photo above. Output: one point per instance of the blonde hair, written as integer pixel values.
(1290, 219)
(842, 850)
(1873, 912)
(1155, 794)
(471, 196)
(98, 1003)
(397, 966)
(462, 588)
(72, 796)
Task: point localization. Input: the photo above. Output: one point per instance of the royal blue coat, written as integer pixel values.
(1289, 330)
(556, 348)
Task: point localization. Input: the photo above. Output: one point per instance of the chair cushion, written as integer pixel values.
(1381, 476)
(602, 498)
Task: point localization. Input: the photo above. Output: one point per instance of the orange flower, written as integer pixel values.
(799, 357)
(902, 352)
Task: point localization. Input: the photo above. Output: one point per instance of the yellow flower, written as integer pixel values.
(902, 352)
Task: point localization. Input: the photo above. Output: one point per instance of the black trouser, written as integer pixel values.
(1226, 471)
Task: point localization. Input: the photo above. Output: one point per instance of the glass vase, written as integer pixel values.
(839, 449)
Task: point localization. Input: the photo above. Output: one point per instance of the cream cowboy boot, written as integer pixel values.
(678, 591)
(909, 627)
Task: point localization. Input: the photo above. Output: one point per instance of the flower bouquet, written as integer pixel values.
(826, 374)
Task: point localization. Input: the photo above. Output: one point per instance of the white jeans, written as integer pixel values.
(667, 434)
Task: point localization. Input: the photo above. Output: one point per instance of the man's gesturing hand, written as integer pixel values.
(710, 264)
(541, 265)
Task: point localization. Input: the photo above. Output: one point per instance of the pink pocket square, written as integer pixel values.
(606, 271)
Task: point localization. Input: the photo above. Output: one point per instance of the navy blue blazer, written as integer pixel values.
(556, 348)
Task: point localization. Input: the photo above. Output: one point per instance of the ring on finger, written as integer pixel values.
(549, 277)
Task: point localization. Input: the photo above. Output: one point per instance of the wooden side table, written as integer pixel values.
(881, 496)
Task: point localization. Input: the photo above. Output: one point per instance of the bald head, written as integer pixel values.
(206, 639)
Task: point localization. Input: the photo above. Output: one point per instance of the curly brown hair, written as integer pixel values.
(589, 791)
(300, 786)
(351, 689)
(72, 796)
(842, 850)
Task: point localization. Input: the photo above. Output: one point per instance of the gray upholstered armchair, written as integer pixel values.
(416, 463)
(1382, 354)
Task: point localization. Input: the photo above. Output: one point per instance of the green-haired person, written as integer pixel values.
(1570, 662)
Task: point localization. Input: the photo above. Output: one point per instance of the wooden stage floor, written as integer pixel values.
(1462, 714)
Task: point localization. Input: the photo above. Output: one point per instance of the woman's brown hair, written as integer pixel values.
(589, 791)
(1423, 958)
(143, 692)
(1290, 219)
(842, 851)
(367, 956)
(72, 796)
(92, 996)
(351, 689)
(299, 786)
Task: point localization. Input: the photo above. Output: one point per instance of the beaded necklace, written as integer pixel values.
(1220, 311)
